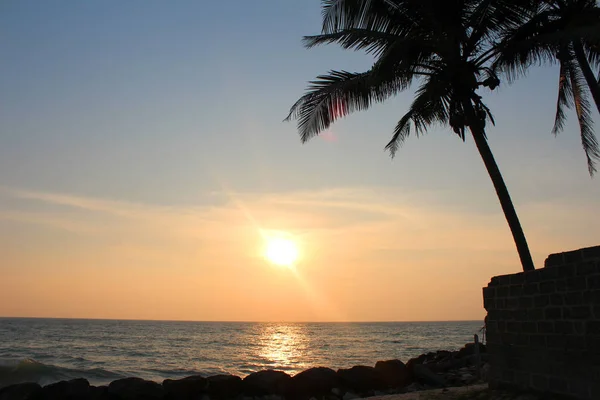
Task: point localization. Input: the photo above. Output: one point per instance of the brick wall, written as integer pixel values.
(543, 327)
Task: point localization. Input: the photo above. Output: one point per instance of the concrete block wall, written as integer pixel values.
(543, 327)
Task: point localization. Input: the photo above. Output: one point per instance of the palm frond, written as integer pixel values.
(584, 116)
(431, 105)
(554, 25)
(593, 54)
(565, 94)
(408, 55)
(489, 18)
(337, 94)
(355, 39)
(376, 15)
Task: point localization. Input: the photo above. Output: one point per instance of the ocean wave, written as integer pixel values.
(28, 370)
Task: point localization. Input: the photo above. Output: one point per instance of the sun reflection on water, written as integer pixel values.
(284, 346)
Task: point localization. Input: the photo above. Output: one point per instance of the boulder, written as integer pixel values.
(425, 376)
(135, 389)
(413, 387)
(445, 365)
(224, 386)
(20, 391)
(485, 372)
(266, 382)
(432, 359)
(75, 389)
(314, 382)
(350, 396)
(469, 350)
(100, 393)
(361, 379)
(190, 388)
(393, 372)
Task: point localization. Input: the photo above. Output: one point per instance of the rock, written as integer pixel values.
(190, 388)
(135, 389)
(469, 350)
(317, 381)
(271, 397)
(350, 396)
(20, 391)
(337, 392)
(393, 372)
(224, 386)
(485, 372)
(74, 389)
(413, 387)
(266, 382)
(424, 375)
(448, 364)
(99, 393)
(361, 379)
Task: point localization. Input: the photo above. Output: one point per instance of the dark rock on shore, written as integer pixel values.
(224, 386)
(135, 389)
(469, 350)
(100, 393)
(190, 388)
(266, 382)
(424, 375)
(431, 370)
(393, 373)
(361, 379)
(75, 389)
(20, 391)
(314, 382)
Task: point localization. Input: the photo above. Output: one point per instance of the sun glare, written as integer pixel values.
(282, 252)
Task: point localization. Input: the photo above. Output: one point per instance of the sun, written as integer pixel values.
(281, 251)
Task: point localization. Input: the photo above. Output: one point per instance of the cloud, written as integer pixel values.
(367, 219)
(48, 220)
(117, 208)
(366, 253)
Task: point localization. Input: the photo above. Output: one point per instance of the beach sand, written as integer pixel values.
(473, 392)
(457, 393)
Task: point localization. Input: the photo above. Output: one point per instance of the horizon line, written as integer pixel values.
(240, 321)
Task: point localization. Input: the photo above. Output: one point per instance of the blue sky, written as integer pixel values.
(180, 105)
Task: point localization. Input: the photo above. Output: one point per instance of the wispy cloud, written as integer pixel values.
(369, 218)
(356, 243)
(48, 220)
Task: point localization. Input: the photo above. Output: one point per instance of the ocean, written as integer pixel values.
(50, 350)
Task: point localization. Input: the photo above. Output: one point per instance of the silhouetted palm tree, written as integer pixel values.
(445, 46)
(567, 31)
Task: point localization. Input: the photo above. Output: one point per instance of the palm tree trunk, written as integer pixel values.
(501, 190)
(587, 72)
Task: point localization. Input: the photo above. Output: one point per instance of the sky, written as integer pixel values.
(144, 160)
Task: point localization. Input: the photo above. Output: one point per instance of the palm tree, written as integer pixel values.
(446, 46)
(567, 31)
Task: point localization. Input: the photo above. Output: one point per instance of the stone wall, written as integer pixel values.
(543, 327)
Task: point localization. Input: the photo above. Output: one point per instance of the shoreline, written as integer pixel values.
(439, 369)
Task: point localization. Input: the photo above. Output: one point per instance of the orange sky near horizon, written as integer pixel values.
(366, 254)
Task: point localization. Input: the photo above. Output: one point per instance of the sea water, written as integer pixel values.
(50, 350)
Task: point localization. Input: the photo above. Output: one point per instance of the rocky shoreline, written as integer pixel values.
(432, 370)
